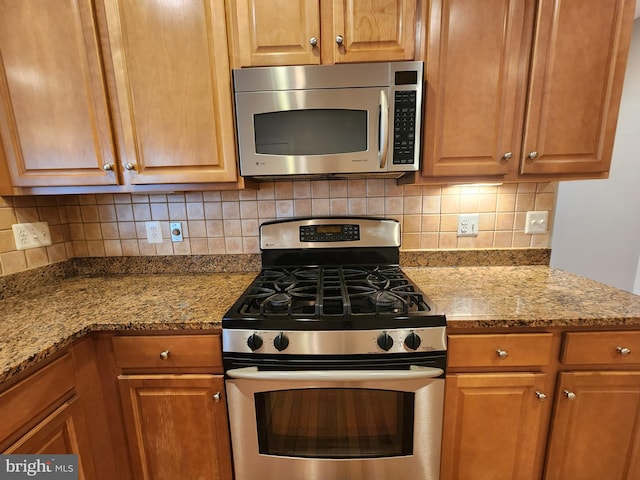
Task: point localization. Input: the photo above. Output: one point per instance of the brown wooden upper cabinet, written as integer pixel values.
(115, 92)
(294, 32)
(519, 89)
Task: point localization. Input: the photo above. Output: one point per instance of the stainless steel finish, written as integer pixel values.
(623, 351)
(129, 166)
(373, 233)
(252, 373)
(424, 463)
(507, 156)
(107, 167)
(339, 39)
(334, 342)
(532, 155)
(165, 355)
(217, 397)
(342, 86)
(569, 395)
(541, 396)
(383, 143)
(502, 353)
(313, 41)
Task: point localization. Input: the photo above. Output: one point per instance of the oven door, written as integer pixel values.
(361, 424)
(323, 131)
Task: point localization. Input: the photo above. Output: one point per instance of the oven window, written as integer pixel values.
(306, 132)
(335, 423)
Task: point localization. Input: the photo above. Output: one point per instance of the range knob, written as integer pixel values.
(254, 342)
(385, 341)
(281, 342)
(412, 341)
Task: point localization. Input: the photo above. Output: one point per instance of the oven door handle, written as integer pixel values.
(414, 372)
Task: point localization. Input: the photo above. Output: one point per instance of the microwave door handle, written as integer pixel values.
(383, 142)
(414, 372)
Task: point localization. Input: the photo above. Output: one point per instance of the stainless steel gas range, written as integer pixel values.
(334, 359)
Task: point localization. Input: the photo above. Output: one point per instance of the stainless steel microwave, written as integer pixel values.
(329, 120)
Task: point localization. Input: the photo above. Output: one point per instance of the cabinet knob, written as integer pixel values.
(532, 155)
(541, 396)
(569, 395)
(107, 167)
(339, 39)
(129, 166)
(507, 156)
(623, 351)
(313, 41)
(502, 353)
(217, 396)
(164, 355)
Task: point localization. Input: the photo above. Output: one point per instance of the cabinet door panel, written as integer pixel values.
(174, 427)
(596, 435)
(174, 92)
(374, 30)
(275, 32)
(576, 82)
(62, 432)
(476, 72)
(54, 120)
(492, 424)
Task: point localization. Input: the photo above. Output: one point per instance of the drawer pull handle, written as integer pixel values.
(217, 396)
(164, 355)
(569, 395)
(541, 396)
(623, 351)
(502, 353)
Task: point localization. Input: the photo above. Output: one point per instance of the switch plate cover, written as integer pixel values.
(31, 235)
(536, 222)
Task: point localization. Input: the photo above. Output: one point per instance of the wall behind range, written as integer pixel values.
(228, 221)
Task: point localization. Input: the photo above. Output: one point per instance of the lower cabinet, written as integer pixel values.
(492, 425)
(62, 432)
(501, 388)
(175, 420)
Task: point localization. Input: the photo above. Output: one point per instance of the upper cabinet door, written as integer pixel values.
(476, 69)
(54, 121)
(173, 88)
(275, 32)
(373, 30)
(578, 65)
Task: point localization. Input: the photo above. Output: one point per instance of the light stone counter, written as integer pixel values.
(38, 322)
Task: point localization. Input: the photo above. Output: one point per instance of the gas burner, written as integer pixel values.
(276, 302)
(285, 282)
(378, 281)
(387, 300)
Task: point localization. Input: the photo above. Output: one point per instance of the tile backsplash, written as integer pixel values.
(227, 221)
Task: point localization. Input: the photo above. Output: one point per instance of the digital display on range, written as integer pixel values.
(330, 233)
(329, 229)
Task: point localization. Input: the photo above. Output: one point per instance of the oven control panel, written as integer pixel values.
(330, 233)
(340, 342)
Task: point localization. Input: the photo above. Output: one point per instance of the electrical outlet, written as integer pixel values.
(154, 233)
(468, 224)
(536, 222)
(31, 235)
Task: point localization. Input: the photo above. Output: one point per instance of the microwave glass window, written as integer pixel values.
(335, 423)
(305, 132)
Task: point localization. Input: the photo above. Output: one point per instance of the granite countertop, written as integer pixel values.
(37, 323)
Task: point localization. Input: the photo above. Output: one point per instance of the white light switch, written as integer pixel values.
(31, 235)
(536, 222)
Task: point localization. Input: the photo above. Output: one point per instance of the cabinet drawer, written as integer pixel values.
(168, 351)
(504, 350)
(616, 348)
(31, 398)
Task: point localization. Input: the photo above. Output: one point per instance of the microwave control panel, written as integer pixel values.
(404, 127)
